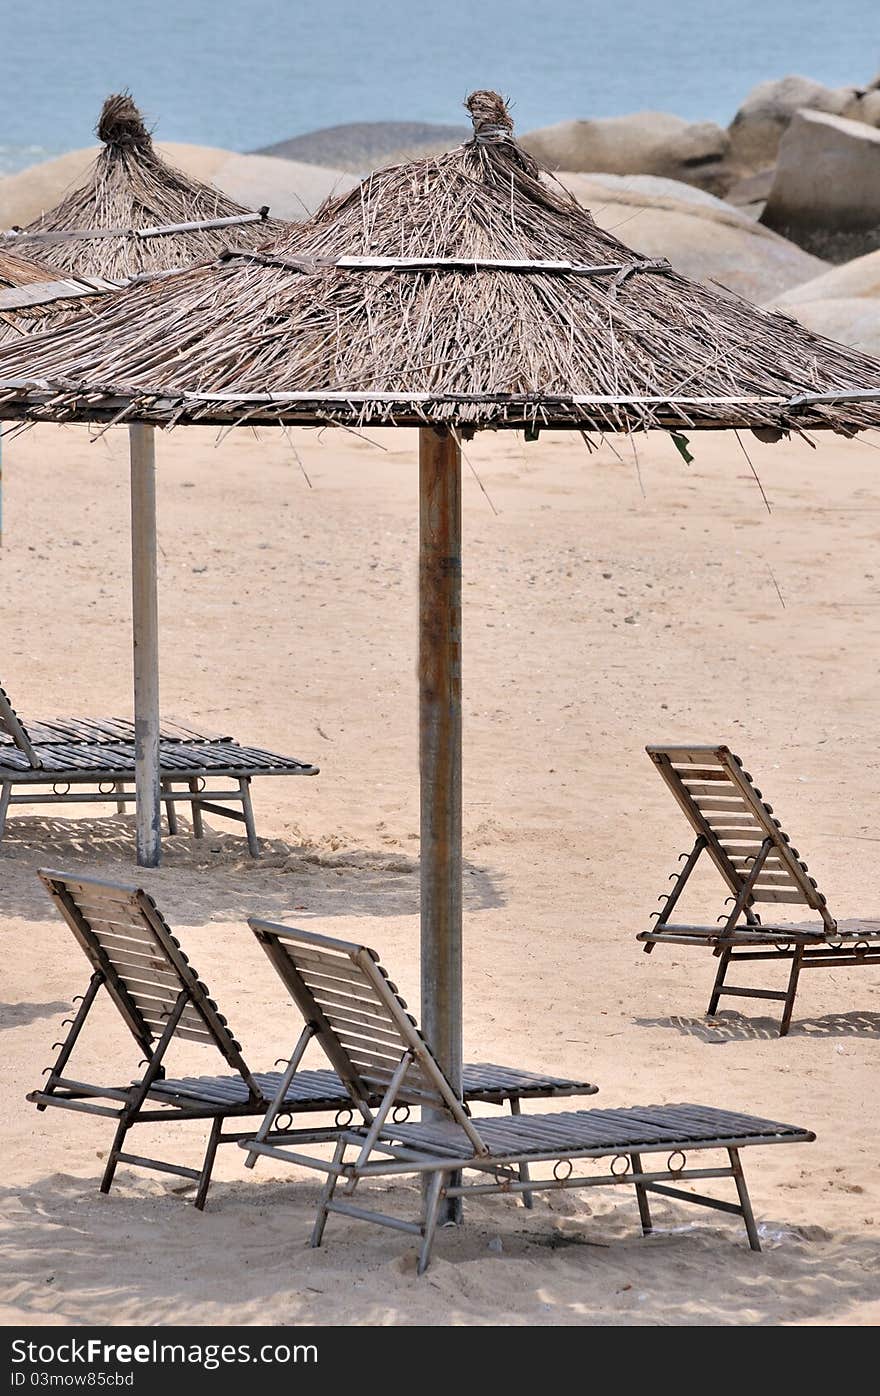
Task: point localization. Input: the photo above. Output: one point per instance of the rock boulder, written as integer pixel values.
(701, 236)
(825, 194)
(655, 143)
(764, 117)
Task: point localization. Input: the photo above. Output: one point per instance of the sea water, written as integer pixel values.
(245, 73)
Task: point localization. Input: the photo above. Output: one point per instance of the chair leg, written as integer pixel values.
(5, 795)
(208, 1165)
(119, 787)
(792, 991)
(719, 982)
(326, 1197)
(744, 1200)
(642, 1197)
(198, 824)
(432, 1211)
(113, 1156)
(524, 1174)
(170, 811)
(244, 786)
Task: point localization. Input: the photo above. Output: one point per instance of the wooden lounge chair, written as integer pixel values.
(353, 1011)
(140, 964)
(82, 761)
(754, 856)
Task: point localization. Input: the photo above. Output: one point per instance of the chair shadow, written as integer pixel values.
(325, 879)
(19, 1015)
(248, 1254)
(730, 1026)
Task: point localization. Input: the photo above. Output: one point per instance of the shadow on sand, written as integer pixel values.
(221, 880)
(733, 1027)
(248, 1254)
(19, 1015)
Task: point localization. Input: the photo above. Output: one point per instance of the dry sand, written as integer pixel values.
(596, 619)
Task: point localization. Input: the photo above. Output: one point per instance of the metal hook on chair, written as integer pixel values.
(78, 998)
(65, 1021)
(46, 1071)
(57, 1044)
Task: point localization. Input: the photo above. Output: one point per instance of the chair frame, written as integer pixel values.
(769, 871)
(387, 1148)
(135, 947)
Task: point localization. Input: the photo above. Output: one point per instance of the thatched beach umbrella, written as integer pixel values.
(451, 294)
(136, 213)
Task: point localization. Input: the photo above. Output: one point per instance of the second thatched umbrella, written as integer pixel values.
(136, 213)
(452, 294)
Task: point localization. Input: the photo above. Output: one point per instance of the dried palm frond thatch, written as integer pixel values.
(464, 289)
(131, 187)
(34, 296)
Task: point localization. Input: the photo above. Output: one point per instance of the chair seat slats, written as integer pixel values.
(106, 760)
(598, 1132)
(312, 1089)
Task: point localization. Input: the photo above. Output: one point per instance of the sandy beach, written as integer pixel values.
(607, 604)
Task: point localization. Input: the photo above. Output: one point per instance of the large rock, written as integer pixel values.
(865, 106)
(858, 278)
(766, 113)
(643, 143)
(290, 188)
(369, 145)
(703, 237)
(852, 320)
(826, 191)
(843, 303)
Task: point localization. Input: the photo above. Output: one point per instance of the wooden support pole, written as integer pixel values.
(440, 750)
(145, 634)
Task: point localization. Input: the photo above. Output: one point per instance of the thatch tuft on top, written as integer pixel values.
(466, 289)
(131, 187)
(120, 123)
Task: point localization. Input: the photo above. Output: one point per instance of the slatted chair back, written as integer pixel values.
(11, 723)
(126, 938)
(723, 806)
(359, 1019)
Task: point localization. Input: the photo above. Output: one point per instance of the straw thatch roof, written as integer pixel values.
(130, 187)
(517, 310)
(33, 296)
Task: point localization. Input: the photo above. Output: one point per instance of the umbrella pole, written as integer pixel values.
(145, 634)
(440, 748)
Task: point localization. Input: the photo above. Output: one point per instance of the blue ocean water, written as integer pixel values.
(245, 73)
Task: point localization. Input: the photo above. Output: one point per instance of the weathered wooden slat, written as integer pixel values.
(379, 1030)
(767, 894)
(359, 1002)
(688, 774)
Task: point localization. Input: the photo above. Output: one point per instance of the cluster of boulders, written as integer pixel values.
(803, 157)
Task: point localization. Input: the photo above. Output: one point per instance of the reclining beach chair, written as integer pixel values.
(75, 760)
(754, 856)
(140, 964)
(352, 1009)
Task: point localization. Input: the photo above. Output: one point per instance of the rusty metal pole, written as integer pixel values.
(440, 749)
